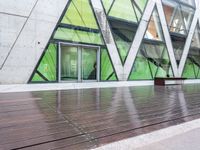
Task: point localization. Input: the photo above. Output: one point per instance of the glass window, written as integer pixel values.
(78, 36)
(141, 69)
(69, 63)
(46, 71)
(178, 16)
(154, 29)
(152, 61)
(107, 71)
(89, 64)
(187, 14)
(189, 2)
(79, 13)
(189, 71)
(178, 43)
(123, 9)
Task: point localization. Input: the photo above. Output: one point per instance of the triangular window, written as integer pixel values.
(77, 25)
(152, 59)
(154, 29)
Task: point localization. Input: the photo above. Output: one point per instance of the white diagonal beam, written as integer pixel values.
(108, 38)
(188, 42)
(138, 38)
(167, 38)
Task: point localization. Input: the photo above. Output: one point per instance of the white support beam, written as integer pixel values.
(108, 37)
(138, 37)
(167, 38)
(188, 42)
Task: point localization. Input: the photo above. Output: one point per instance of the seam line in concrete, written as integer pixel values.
(10, 14)
(18, 36)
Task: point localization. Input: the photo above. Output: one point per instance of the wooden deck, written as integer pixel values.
(88, 118)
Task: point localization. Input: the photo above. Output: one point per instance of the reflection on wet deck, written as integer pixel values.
(88, 118)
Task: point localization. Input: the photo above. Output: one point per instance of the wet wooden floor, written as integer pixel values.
(88, 118)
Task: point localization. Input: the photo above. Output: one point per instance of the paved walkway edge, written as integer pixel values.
(153, 137)
(66, 86)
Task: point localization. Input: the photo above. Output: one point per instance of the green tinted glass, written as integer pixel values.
(89, 64)
(79, 13)
(46, 71)
(154, 61)
(68, 63)
(78, 36)
(192, 65)
(189, 70)
(123, 9)
(107, 71)
(141, 70)
(37, 77)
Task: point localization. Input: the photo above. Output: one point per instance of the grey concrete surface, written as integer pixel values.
(186, 141)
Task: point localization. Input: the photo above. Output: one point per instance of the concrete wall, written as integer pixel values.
(25, 28)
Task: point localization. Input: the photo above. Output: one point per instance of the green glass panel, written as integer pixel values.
(178, 45)
(123, 47)
(161, 72)
(47, 66)
(198, 76)
(107, 71)
(189, 2)
(165, 64)
(89, 62)
(78, 36)
(68, 63)
(187, 15)
(158, 58)
(196, 69)
(154, 52)
(140, 70)
(154, 29)
(113, 77)
(170, 72)
(153, 68)
(123, 9)
(188, 71)
(140, 4)
(36, 78)
(80, 13)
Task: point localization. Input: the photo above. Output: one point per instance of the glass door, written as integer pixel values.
(79, 63)
(89, 64)
(68, 63)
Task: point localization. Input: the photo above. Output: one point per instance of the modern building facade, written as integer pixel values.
(45, 41)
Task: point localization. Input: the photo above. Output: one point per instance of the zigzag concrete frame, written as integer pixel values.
(124, 71)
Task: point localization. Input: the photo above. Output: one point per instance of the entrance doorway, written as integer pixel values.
(79, 63)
